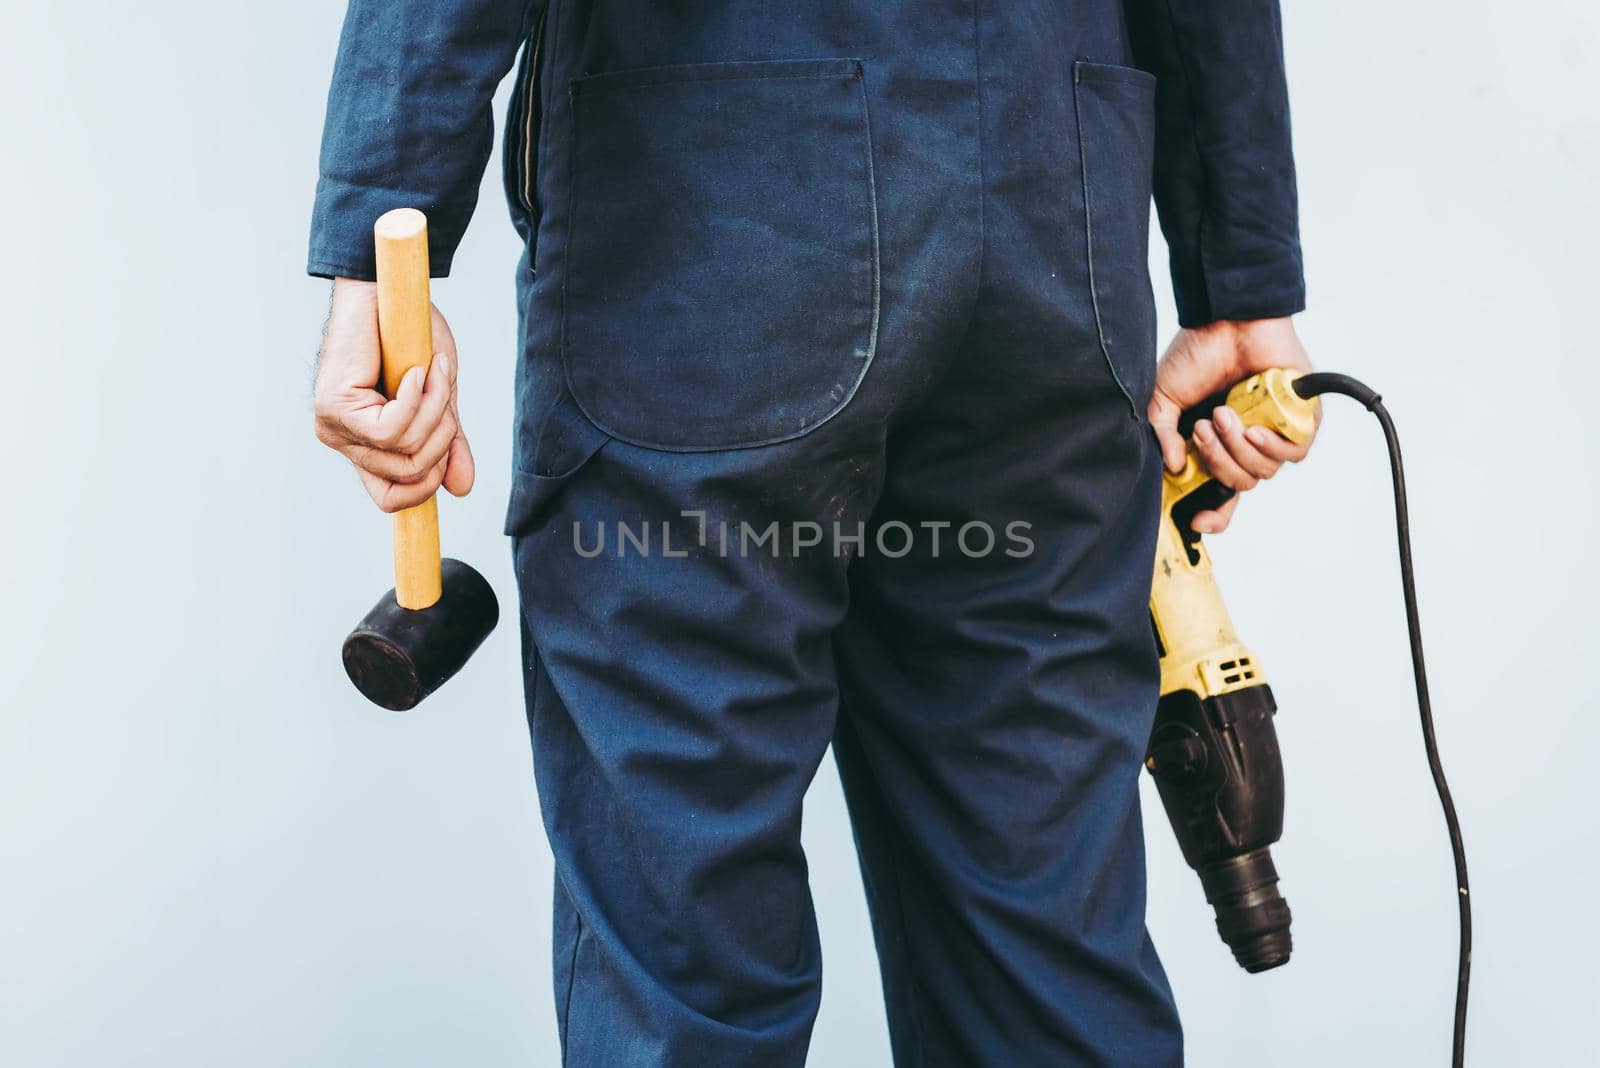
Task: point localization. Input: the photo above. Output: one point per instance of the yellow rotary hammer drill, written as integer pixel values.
(1213, 750)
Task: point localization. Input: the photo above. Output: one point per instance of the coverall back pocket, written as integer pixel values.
(721, 263)
(1116, 142)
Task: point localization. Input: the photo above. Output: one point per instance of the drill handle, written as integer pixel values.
(1267, 398)
(1200, 411)
(1264, 399)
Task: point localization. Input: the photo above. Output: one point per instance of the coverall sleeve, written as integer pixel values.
(409, 123)
(1224, 169)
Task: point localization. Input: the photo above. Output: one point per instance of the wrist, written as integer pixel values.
(1242, 327)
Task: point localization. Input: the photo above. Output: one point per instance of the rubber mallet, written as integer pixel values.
(439, 611)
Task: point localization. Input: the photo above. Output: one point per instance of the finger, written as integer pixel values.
(436, 449)
(1164, 413)
(436, 397)
(1215, 520)
(460, 469)
(340, 414)
(1231, 429)
(1276, 445)
(380, 423)
(405, 467)
(443, 339)
(1214, 455)
(388, 466)
(400, 467)
(409, 468)
(377, 488)
(402, 495)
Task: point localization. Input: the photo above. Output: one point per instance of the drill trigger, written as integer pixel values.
(1208, 495)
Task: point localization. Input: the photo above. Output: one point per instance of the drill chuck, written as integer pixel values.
(1252, 917)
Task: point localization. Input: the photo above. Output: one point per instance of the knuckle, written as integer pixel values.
(374, 466)
(422, 427)
(403, 497)
(439, 442)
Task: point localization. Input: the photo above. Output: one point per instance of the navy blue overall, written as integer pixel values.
(837, 339)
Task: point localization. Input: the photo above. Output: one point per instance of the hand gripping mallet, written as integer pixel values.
(439, 611)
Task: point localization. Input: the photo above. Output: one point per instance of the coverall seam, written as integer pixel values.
(577, 918)
(579, 84)
(379, 187)
(318, 267)
(572, 983)
(1200, 160)
(550, 30)
(1088, 244)
(526, 26)
(971, 325)
(977, 79)
(918, 992)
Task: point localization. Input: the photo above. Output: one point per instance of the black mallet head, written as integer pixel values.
(397, 656)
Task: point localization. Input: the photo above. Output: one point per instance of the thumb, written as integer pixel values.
(1164, 413)
(459, 469)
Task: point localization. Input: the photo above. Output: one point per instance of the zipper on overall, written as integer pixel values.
(528, 156)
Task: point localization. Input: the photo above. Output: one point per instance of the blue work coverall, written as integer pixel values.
(837, 338)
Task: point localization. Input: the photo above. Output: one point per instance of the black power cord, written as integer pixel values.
(1313, 385)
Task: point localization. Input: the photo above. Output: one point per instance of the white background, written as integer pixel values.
(213, 852)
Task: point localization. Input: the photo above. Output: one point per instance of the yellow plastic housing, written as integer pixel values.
(1199, 649)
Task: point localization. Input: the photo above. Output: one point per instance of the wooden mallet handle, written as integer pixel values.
(405, 334)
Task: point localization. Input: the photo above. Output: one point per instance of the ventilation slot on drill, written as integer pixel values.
(1241, 670)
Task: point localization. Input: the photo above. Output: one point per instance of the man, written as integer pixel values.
(814, 297)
